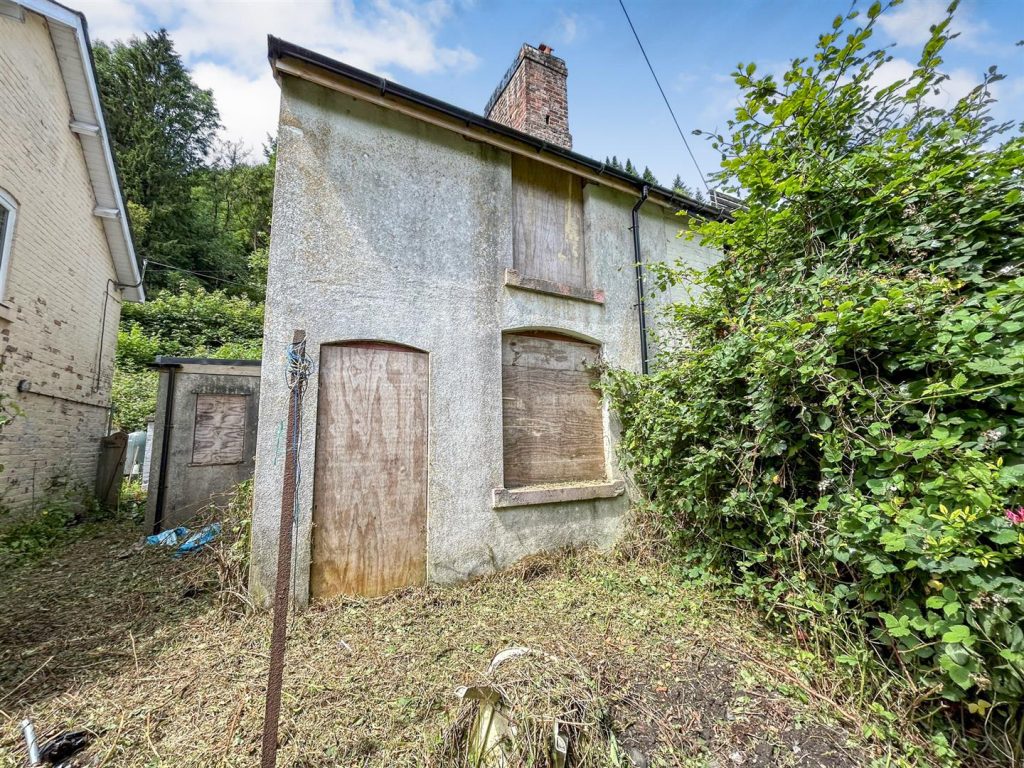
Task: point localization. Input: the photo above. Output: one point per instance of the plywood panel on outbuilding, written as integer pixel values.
(370, 475)
(219, 436)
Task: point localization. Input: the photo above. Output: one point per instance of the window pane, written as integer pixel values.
(5, 215)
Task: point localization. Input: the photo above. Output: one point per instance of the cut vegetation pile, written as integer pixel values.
(635, 667)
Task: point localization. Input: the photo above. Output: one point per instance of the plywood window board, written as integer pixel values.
(553, 426)
(547, 229)
(219, 435)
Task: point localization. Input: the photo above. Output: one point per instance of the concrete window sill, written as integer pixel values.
(591, 295)
(7, 313)
(531, 495)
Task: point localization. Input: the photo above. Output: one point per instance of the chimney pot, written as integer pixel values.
(545, 48)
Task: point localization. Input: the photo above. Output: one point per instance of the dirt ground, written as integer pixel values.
(146, 653)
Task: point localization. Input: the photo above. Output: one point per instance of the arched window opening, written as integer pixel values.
(552, 420)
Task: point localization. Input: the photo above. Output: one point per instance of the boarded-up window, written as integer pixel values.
(219, 436)
(553, 427)
(547, 207)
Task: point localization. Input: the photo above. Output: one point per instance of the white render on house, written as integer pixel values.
(69, 260)
(394, 227)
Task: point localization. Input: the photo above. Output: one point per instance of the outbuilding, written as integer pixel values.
(461, 281)
(204, 436)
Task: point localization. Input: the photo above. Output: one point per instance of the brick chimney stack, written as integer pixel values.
(532, 97)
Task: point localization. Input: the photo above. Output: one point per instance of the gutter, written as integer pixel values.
(638, 265)
(278, 49)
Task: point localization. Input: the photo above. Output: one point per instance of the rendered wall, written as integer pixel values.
(388, 229)
(52, 310)
(189, 488)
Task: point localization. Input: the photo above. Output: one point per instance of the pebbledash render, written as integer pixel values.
(66, 256)
(460, 280)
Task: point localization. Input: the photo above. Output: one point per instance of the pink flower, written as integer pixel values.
(1015, 516)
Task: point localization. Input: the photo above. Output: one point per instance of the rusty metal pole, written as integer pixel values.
(272, 716)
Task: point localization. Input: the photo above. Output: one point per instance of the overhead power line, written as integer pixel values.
(665, 98)
(204, 275)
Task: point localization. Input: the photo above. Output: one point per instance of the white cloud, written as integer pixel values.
(248, 107)
(568, 27)
(959, 84)
(111, 19)
(909, 24)
(224, 42)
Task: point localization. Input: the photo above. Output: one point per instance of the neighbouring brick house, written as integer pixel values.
(459, 278)
(67, 259)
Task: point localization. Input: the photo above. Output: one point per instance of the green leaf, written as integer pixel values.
(957, 672)
(958, 633)
(989, 365)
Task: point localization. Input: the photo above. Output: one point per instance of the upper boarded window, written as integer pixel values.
(547, 206)
(552, 421)
(219, 436)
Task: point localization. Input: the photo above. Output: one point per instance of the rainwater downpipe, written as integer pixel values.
(639, 266)
(165, 448)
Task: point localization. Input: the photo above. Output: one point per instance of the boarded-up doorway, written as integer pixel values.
(370, 481)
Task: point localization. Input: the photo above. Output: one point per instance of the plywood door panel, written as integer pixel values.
(547, 209)
(552, 422)
(370, 481)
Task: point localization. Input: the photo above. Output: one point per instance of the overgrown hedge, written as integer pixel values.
(841, 433)
(189, 323)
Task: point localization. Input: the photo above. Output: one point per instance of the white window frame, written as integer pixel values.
(11, 209)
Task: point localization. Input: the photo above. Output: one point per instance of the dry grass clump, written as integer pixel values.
(530, 709)
(153, 655)
(646, 538)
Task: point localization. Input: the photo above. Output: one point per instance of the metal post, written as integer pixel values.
(30, 742)
(284, 570)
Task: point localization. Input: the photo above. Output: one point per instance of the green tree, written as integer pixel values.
(234, 196)
(649, 176)
(842, 435)
(162, 126)
(630, 168)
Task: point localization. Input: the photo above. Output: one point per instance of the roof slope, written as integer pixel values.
(74, 55)
(288, 58)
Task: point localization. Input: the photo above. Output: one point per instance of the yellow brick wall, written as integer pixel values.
(59, 273)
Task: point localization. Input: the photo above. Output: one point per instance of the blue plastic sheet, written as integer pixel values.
(183, 539)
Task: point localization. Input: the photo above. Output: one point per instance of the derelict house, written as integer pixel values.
(459, 278)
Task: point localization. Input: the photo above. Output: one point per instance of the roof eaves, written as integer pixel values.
(130, 282)
(278, 49)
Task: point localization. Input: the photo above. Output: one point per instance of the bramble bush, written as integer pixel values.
(842, 431)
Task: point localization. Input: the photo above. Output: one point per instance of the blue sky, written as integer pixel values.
(457, 50)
